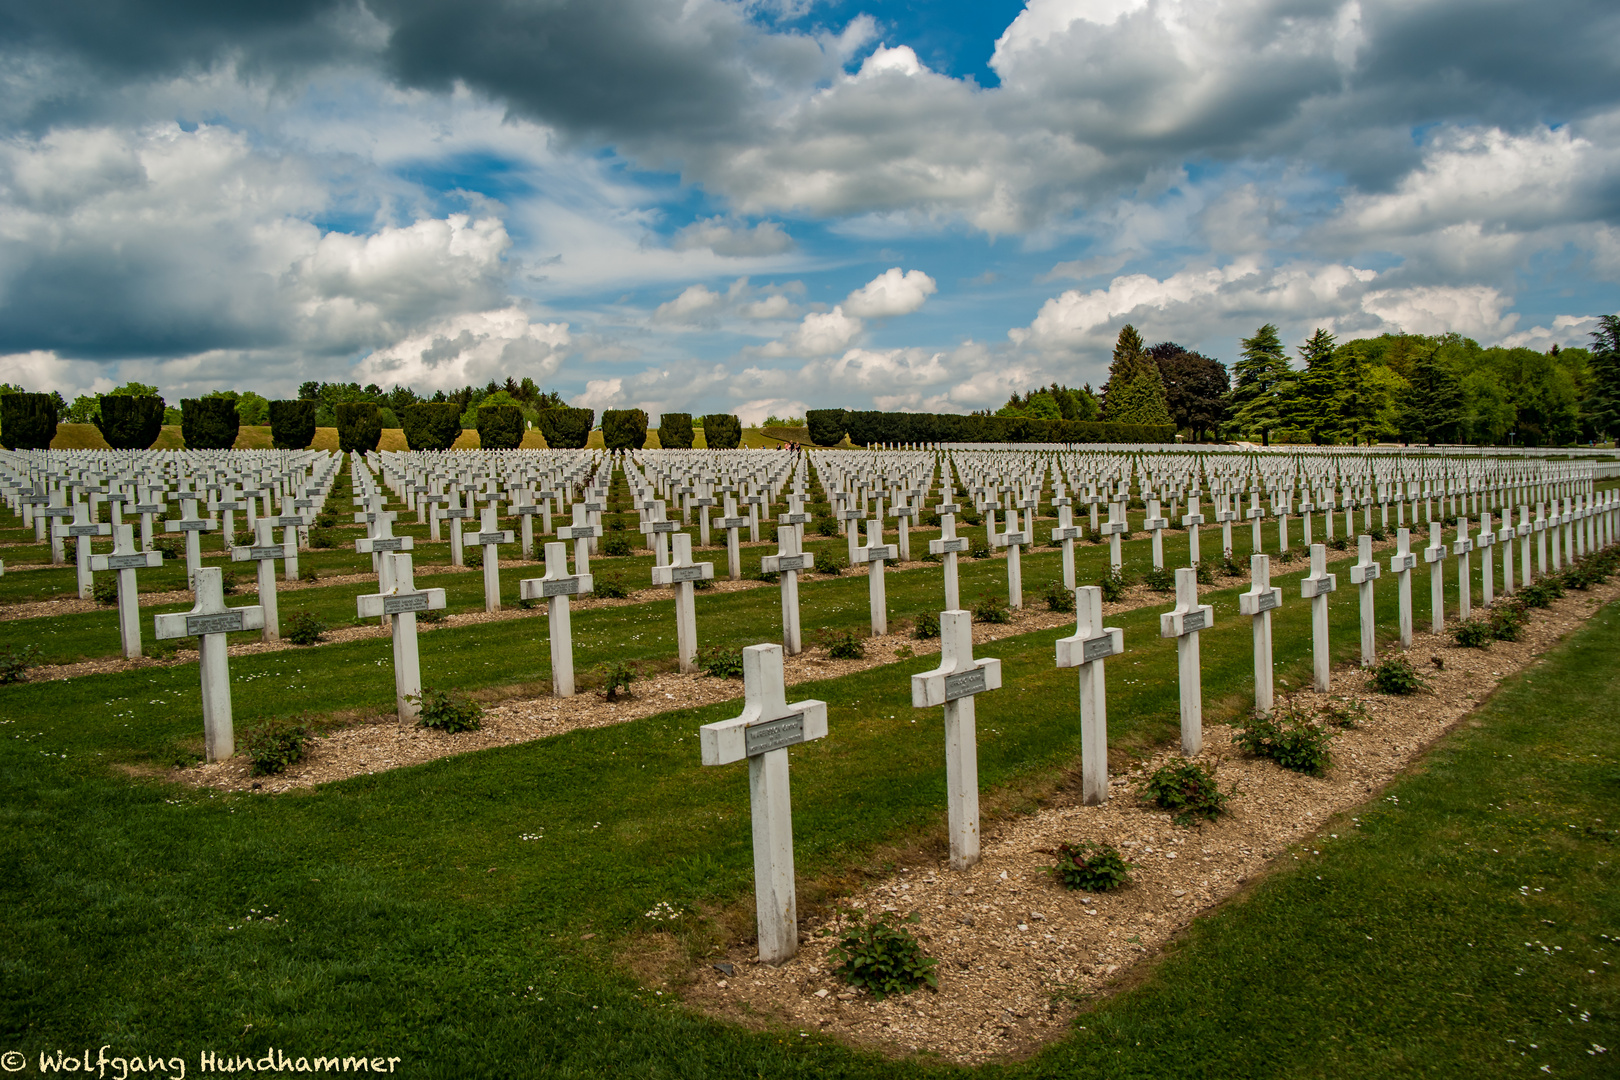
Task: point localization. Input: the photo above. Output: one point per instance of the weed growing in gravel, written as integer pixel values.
(841, 644)
(878, 954)
(609, 585)
(443, 711)
(1206, 573)
(721, 663)
(1288, 735)
(1112, 585)
(926, 626)
(1541, 593)
(1345, 712)
(1396, 675)
(1058, 598)
(1188, 790)
(1473, 634)
(14, 663)
(304, 628)
(105, 590)
(1088, 866)
(1339, 543)
(991, 609)
(275, 745)
(1231, 567)
(1507, 620)
(615, 677)
(1159, 579)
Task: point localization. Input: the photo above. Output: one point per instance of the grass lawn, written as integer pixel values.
(412, 917)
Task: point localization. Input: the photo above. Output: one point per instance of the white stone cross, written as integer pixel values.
(1156, 523)
(762, 734)
(873, 553)
(581, 532)
(1225, 515)
(1112, 528)
(126, 559)
(1315, 587)
(1461, 547)
(680, 573)
(1013, 540)
(229, 502)
(903, 512)
(83, 530)
(1306, 509)
(733, 523)
(1487, 562)
(1258, 603)
(292, 522)
(1191, 521)
(149, 505)
(1086, 649)
(1363, 573)
(659, 528)
(949, 545)
(264, 551)
(1539, 527)
(402, 602)
(787, 563)
(1401, 564)
(1435, 556)
(209, 621)
(489, 536)
(555, 588)
(1066, 533)
(1184, 622)
(953, 684)
(1525, 529)
(525, 509)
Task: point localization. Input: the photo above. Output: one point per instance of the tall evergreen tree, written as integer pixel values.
(1257, 382)
(1604, 407)
(1433, 408)
(1130, 361)
(1311, 407)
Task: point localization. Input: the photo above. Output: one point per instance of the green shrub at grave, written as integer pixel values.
(1112, 585)
(1541, 593)
(500, 427)
(292, 424)
(172, 547)
(1396, 675)
(1058, 598)
(472, 557)
(209, 423)
(722, 431)
(991, 609)
(615, 677)
(274, 746)
(228, 582)
(1159, 579)
(879, 955)
(826, 426)
(1188, 790)
(321, 538)
(105, 589)
(609, 586)
(1473, 634)
(1288, 735)
(14, 663)
(1378, 534)
(926, 626)
(842, 644)
(307, 572)
(1231, 567)
(359, 425)
(826, 527)
(429, 615)
(624, 429)
(1344, 712)
(721, 663)
(565, 428)
(1205, 572)
(674, 430)
(981, 550)
(27, 421)
(305, 628)
(1089, 867)
(1339, 543)
(446, 712)
(1094, 536)
(130, 423)
(432, 425)
(616, 543)
(833, 562)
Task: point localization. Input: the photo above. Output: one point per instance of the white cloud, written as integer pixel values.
(696, 304)
(1474, 311)
(470, 348)
(600, 394)
(1565, 331)
(753, 413)
(893, 292)
(732, 241)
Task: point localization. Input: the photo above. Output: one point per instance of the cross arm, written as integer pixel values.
(671, 575)
(940, 685)
(744, 736)
(115, 561)
(1075, 650)
(397, 603)
(195, 624)
(542, 588)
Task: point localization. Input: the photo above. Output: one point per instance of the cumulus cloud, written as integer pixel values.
(469, 348)
(699, 305)
(722, 238)
(893, 292)
(601, 394)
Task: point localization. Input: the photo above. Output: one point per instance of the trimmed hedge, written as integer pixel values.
(864, 428)
(500, 427)
(209, 423)
(826, 426)
(674, 431)
(130, 423)
(292, 424)
(432, 425)
(359, 425)
(566, 428)
(624, 429)
(27, 421)
(722, 431)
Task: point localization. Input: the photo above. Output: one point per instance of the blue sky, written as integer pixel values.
(758, 207)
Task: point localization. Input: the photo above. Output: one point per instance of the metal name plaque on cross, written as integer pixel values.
(388, 543)
(790, 562)
(958, 544)
(882, 551)
(84, 530)
(125, 562)
(1097, 649)
(275, 551)
(662, 526)
(1397, 563)
(685, 573)
(398, 605)
(567, 586)
(492, 538)
(1193, 620)
(964, 684)
(1266, 601)
(1014, 538)
(774, 734)
(213, 624)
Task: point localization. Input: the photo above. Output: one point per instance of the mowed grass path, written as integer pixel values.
(412, 916)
